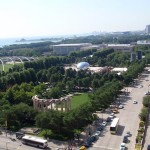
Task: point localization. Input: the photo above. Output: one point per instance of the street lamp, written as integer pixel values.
(6, 145)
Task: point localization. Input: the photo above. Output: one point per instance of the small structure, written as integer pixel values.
(45, 104)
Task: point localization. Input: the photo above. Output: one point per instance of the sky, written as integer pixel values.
(27, 18)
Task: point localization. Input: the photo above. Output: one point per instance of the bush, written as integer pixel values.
(141, 124)
(139, 138)
(141, 130)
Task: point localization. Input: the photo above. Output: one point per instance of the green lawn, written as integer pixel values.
(6, 67)
(77, 100)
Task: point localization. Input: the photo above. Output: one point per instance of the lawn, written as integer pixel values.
(78, 100)
(6, 67)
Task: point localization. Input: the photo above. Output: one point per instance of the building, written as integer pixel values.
(83, 65)
(65, 49)
(139, 55)
(147, 29)
(119, 71)
(144, 42)
(133, 56)
(121, 47)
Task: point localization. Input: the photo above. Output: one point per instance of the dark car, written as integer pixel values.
(125, 139)
(100, 128)
(93, 138)
(108, 119)
(148, 147)
(87, 144)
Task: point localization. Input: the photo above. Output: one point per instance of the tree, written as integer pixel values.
(146, 101)
(144, 113)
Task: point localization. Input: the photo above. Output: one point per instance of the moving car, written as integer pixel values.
(122, 146)
(147, 93)
(128, 134)
(135, 102)
(120, 106)
(148, 147)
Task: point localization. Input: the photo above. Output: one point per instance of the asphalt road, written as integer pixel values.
(129, 119)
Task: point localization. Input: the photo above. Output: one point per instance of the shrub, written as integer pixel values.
(141, 130)
(141, 124)
(144, 113)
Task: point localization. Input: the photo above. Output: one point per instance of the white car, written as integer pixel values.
(128, 134)
(104, 123)
(97, 133)
(147, 93)
(122, 146)
(135, 102)
(112, 114)
(120, 106)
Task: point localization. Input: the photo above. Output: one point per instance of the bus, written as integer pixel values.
(34, 141)
(114, 126)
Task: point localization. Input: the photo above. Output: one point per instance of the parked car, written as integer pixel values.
(120, 106)
(87, 143)
(104, 123)
(100, 128)
(109, 119)
(125, 139)
(112, 114)
(93, 138)
(82, 148)
(135, 102)
(97, 133)
(122, 146)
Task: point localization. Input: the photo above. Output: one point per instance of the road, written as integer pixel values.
(129, 119)
(7, 144)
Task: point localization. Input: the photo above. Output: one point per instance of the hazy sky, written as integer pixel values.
(21, 18)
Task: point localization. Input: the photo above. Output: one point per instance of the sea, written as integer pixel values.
(12, 41)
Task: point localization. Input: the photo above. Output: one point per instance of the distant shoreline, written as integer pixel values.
(12, 41)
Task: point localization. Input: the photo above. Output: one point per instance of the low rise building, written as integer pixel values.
(121, 47)
(65, 49)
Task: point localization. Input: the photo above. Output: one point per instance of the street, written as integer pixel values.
(129, 119)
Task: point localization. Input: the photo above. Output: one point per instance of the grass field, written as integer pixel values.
(6, 67)
(77, 100)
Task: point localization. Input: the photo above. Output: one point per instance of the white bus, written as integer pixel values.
(34, 141)
(114, 126)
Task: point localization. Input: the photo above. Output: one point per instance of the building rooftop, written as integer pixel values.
(121, 45)
(77, 44)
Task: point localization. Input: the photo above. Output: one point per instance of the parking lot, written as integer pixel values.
(129, 119)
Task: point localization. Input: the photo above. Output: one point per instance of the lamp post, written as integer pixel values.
(6, 145)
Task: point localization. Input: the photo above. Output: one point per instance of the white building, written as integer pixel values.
(121, 47)
(65, 49)
(147, 29)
